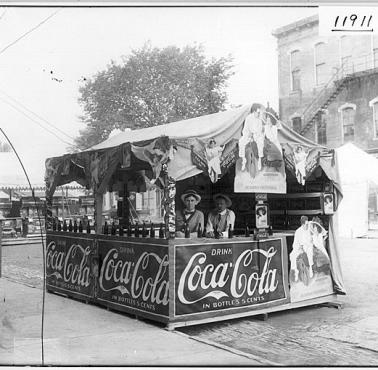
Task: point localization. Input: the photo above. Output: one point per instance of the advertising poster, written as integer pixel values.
(134, 275)
(228, 276)
(310, 274)
(328, 204)
(260, 166)
(261, 216)
(68, 264)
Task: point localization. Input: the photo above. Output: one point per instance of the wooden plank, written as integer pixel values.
(310, 302)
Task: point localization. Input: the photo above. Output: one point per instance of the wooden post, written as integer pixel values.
(98, 199)
(169, 203)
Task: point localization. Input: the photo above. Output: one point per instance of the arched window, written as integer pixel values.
(320, 63)
(295, 70)
(374, 104)
(347, 112)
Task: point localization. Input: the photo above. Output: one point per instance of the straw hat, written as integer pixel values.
(225, 197)
(192, 193)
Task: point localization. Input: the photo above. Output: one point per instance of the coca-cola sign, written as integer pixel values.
(213, 277)
(134, 275)
(68, 264)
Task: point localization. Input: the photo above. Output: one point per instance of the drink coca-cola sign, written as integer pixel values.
(68, 264)
(134, 275)
(213, 277)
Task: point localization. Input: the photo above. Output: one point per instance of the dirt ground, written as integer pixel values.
(311, 336)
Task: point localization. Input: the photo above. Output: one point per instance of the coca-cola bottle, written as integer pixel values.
(129, 230)
(247, 231)
(144, 230)
(161, 232)
(88, 227)
(70, 226)
(120, 231)
(53, 224)
(80, 227)
(65, 228)
(113, 229)
(59, 226)
(187, 230)
(152, 231)
(136, 231)
(230, 232)
(199, 231)
(75, 226)
(217, 234)
(106, 229)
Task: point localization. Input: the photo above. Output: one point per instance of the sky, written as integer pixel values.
(41, 73)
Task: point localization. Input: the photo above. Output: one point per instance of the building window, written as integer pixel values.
(297, 124)
(320, 64)
(295, 70)
(374, 104)
(347, 118)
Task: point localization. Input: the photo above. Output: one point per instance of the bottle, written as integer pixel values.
(230, 232)
(270, 230)
(88, 227)
(247, 231)
(59, 226)
(161, 232)
(129, 230)
(187, 230)
(70, 226)
(75, 226)
(106, 229)
(144, 230)
(80, 227)
(152, 231)
(136, 232)
(113, 229)
(216, 233)
(54, 224)
(199, 231)
(120, 231)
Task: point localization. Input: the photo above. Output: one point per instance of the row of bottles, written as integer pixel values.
(135, 231)
(71, 227)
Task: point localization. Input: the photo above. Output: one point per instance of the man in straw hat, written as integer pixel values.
(189, 215)
(221, 217)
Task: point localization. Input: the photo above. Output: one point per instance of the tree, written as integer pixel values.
(151, 87)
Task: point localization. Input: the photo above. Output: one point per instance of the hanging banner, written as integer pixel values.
(310, 272)
(260, 166)
(68, 264)
(134, 275)
(229, 276)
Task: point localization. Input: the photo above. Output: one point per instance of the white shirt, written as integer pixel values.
(230, 220)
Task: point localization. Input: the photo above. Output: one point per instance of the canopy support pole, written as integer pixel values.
(169, 203)
(98, 199)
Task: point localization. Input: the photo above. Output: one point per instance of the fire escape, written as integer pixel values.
(333, 87)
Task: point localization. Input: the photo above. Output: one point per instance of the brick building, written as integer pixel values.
(328, 86)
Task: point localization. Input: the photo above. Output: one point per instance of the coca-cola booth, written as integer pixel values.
(185, 281)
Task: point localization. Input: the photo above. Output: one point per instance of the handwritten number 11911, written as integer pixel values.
(353, 18)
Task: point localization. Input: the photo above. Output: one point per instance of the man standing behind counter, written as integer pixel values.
(220, 218)
(189, 216)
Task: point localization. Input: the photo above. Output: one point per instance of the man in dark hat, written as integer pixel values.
(221, 217)
(189, 215)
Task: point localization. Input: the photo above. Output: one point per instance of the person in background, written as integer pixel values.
(189, 215)
(221, 217)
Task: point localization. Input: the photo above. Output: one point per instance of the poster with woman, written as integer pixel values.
(310, 274)
(328, 204)
(261, 216)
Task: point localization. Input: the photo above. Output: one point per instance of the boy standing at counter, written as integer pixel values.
(221, 217)
(189, 215)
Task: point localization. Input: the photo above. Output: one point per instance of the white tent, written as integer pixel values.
(356, 170)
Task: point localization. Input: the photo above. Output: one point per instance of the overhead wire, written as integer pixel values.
(43, 245)
(37, 115)
(36, 122)
(28, 32)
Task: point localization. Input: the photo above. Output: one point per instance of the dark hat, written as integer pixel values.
(262, 208)
(225, 197)
(192, 193)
